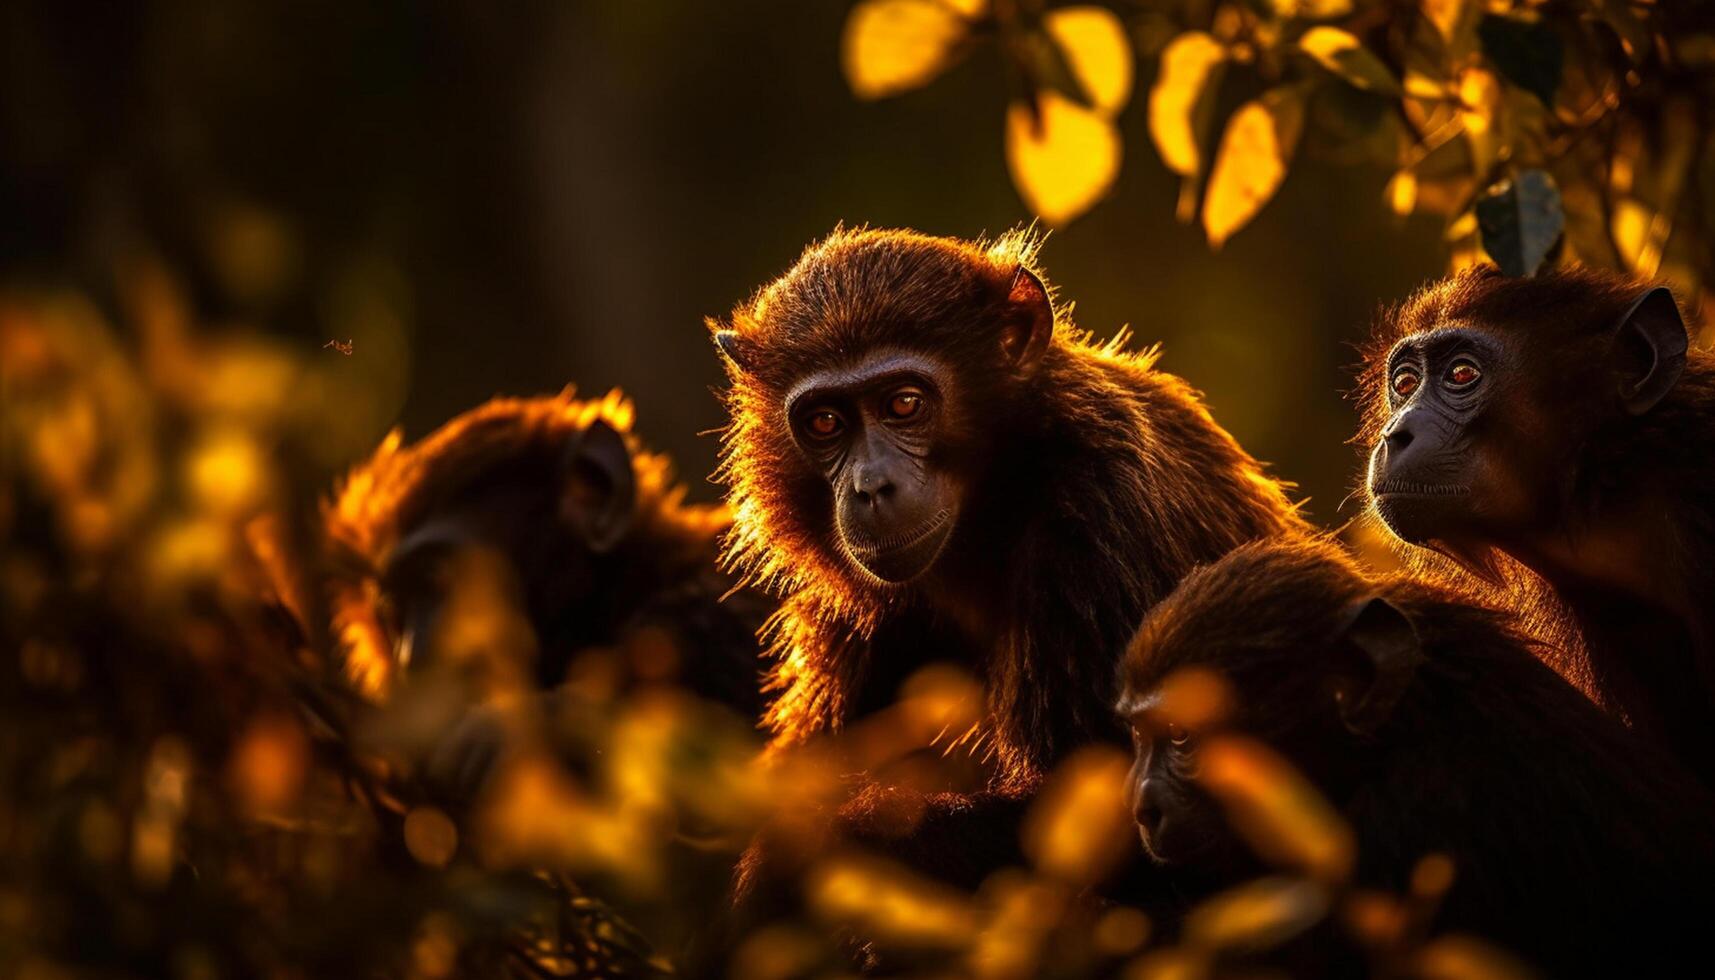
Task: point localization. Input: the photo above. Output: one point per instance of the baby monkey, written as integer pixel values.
(1431, 728)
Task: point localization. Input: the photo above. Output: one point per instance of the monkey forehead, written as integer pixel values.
(862, 369)
(1437, 338)
(1134, 703)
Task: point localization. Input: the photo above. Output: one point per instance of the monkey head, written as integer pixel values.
(868, 383)
(1484, 390)
(528, 509)
(1306, 656)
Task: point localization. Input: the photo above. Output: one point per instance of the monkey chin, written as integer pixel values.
(1421, 512)
(901, 558)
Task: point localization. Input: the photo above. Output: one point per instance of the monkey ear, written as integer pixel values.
(1385, 654)
(731, 348)
(600, 494)
(1653, 327)
(1030, 326)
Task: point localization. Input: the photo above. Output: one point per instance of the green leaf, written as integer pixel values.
(1531, 56)
(1520, 221)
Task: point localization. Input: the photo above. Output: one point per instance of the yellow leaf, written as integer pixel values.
(1275, 808)
(1402, 192)
(1310, 9)
(1631, 224)
(1182, 98)
(1063, 159)
(1342, 54)
(891, 902)
(1258, 914)
(1480, 98)
(1252, 161)
(1080, 825)
(1456, 22)
(1095, 45)
(1444, 14)
(1456, 957)
(893, 46)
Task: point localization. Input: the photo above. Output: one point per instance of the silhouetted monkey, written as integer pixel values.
(583, 538)
(1433, 728)
(928, 463)
(1562, 423)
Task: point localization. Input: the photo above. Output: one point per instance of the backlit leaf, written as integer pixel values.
(1063, 158)
(893, 46)
(1342, 54)
(1095, 46)
(1455, 21)
(1080, 824)
(1255, 152)
(1456, 957)
(887, 901)
(1310, 9)
(1182, 99)
(1276, 809)
(1256, 915)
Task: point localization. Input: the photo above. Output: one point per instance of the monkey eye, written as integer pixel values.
(905, 403)
(1463, 374)
(1177, 734)
(824, 423)
(1405, 382)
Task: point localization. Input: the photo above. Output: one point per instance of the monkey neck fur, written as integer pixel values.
(1133, 490)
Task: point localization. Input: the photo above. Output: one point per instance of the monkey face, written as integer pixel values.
(1280, 649)
(875, 430)
(1445, 466)
(1177, 821)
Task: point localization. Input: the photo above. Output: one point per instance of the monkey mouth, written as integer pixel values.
(1408, 488)
(903, 556)
(1420, 512)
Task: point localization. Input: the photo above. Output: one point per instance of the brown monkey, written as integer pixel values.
(929, 462)
(1431, 726)
(583, 534)
(1561, 423)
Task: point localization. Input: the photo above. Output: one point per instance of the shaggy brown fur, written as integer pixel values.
(663, 570)
(1096, 483)
(1637, 490)
(1573, 844)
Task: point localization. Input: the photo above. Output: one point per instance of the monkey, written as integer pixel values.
(582, 536)
(926, 460)
(1557, 428)
(1431, 727)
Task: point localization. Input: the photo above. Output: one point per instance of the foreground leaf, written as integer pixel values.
(1063, 157)
(1257, 915)
(1520, 220)
(1275, 809)
(1255, 153)
(1182, 99)
(894, 46)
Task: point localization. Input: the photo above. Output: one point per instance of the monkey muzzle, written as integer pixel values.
(900, 557)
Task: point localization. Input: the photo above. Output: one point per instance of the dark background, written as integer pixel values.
(507, 197)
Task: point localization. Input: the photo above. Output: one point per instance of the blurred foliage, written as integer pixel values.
(187, 786)
(190, 787)
(1603, 105)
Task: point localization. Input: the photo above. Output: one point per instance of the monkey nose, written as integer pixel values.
(1400, 432)
(873, 492)
(1146, 812)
